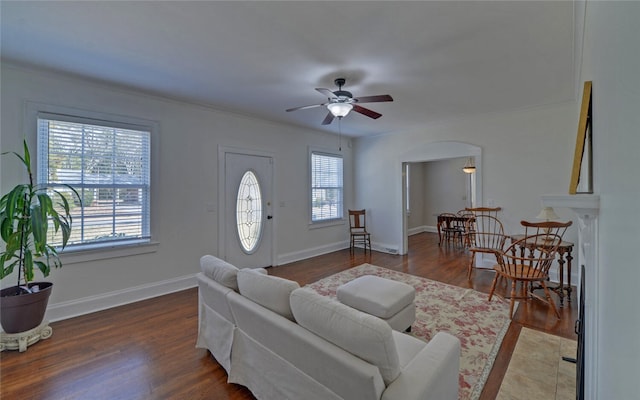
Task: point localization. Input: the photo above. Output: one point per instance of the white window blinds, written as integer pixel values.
(108, 164)
(326, 187)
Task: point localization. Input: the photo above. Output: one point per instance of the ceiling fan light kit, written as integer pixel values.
(339, 109)
(341, 102)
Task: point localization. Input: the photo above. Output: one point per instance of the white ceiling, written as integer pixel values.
(439, 60)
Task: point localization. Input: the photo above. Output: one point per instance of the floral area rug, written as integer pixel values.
(465, 313)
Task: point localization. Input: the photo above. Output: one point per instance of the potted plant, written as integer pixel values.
(25, 215)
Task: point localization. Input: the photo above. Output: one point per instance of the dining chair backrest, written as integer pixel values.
(552, 229)
(530, 258)
(357, 220)
(487, 233)
(492, 211)
(448, 220)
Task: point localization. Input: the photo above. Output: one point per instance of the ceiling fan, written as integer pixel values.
(341, 102)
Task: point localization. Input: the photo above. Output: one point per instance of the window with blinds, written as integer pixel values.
(326, 187)
(108, 164)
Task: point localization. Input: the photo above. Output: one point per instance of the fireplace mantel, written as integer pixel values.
(586, 207)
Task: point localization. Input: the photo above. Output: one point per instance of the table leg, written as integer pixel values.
(560, 288)
(569, 288)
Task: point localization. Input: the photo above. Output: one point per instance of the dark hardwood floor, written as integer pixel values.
(146, 350)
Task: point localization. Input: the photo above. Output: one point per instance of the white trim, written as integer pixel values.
(329, 153)
(106, 252)
(423, 228)
(385, 248)
(416, 230)
(587, 208)
(431, 152)
(311, 252)
(87, 305)
(32, 109)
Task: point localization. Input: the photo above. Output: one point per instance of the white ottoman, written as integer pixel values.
(390, 300)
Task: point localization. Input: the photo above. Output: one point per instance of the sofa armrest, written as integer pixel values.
(432, 374)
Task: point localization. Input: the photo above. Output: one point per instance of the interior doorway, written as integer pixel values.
(434, 152)
(434, 187)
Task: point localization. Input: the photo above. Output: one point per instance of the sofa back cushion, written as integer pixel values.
(220, 271)
(270, 292)
(363, 335)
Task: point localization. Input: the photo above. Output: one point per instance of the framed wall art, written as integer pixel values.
(582, 171)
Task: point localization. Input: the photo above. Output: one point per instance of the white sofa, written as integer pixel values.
(286, 342)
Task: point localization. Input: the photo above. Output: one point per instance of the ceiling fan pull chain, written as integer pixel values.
(340, 133)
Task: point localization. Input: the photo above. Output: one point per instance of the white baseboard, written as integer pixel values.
(311, 252)
(431, 229)
(318, 251)
(385, 248)
(423, 228)
(416, 230)
(87, 305)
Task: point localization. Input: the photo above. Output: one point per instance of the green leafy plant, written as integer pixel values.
(25, 213)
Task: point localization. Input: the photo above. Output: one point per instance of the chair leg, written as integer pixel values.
(552, 303)
(493, 286)
(471, 263)
(513, 297)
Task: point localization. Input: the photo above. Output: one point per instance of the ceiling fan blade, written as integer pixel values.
(327, 93)
(305, 107)
(374, 99)
(328, 119)
(366, 111)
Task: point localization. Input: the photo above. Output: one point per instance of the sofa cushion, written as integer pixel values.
(220, 271)
(363, 335)
(270, 292)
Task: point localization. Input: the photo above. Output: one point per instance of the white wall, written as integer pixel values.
(436, 187)
(187, 177)
(611, 59)
(445, 189)
(524, 154)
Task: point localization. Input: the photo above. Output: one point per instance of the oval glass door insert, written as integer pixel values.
(249, 212)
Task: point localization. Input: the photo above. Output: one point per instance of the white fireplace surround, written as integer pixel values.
(586, 207)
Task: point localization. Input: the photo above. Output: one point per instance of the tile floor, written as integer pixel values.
(537, 370)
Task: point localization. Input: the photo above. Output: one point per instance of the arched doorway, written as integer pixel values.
(440, 151)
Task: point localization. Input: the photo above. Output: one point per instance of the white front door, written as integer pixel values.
(248, 210)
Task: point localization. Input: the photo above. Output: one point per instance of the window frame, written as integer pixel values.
(102, 249)
(328, 221)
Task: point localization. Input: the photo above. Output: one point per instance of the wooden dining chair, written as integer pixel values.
(529, 259)
(450, 227)
(465, 223)
(491, 211)
(358, 230)
(485, 235)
